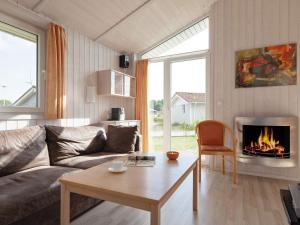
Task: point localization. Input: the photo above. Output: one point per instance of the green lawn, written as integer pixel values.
(177, 143)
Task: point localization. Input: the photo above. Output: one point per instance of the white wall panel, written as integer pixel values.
(243, 24)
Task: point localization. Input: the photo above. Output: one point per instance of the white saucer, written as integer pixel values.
(123, 169)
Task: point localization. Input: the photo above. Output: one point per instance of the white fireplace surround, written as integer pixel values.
(292, 122)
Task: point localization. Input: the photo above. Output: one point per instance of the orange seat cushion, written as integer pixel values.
(216, 148)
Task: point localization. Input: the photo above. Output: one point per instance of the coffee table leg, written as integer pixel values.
(64, 206)
(195, 186)
(155, 215)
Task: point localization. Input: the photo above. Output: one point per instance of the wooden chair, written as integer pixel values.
(211, 137)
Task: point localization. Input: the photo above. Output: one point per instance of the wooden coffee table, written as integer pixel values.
(146, 188)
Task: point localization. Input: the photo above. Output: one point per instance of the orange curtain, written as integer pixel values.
(141, 104)
(55, 80)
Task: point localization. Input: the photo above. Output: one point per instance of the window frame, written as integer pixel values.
(41, 66)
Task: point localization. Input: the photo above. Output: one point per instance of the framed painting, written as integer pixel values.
(268, 66)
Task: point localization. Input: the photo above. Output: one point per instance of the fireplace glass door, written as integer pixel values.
(266, 141)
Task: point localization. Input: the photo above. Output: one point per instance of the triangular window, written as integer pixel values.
(194, 38)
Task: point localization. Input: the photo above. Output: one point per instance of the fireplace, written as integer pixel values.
(266, 141)
(269, 141)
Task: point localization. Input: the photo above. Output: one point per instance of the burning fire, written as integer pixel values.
(266, 142)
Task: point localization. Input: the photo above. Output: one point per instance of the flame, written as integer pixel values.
(266, 142)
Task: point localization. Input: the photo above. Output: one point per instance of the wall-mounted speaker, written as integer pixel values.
(124, 61)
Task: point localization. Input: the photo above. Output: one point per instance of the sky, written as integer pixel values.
(186, 76)
(17, 66)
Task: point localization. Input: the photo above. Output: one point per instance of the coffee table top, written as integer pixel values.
(149, 184)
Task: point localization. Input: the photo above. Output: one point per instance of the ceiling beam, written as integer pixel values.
(39, 5)
(121, 20)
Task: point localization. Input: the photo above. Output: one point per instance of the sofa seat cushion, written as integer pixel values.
(67, 142)
(22, 149)
(27, 192)
(88, 161)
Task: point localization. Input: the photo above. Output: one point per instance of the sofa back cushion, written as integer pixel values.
(22, 149)
(121, 139)
(66, 142)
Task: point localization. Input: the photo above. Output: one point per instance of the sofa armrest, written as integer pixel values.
(138, 144)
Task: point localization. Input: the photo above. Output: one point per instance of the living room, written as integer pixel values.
(89, 89)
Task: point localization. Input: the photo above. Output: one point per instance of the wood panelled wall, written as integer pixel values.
(85, 57)
(243, 24)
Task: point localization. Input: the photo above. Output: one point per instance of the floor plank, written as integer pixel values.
(253, 201)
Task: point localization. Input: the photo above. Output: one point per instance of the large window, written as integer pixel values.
(177, 89)
(19, 67)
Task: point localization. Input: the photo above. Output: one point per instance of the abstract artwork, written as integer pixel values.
(268, 66)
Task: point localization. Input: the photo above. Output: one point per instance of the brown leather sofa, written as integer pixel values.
(33, 159)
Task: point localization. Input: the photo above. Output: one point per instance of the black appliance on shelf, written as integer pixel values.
(117, 113)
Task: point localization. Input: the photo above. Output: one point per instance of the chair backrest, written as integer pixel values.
(210, 132)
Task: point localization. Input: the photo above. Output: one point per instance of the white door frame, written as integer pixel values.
(167, 88)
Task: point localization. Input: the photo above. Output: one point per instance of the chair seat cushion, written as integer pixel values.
(215, 148)
(88, 161)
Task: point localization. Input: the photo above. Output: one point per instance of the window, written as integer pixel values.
(20, 66)
(183, 109)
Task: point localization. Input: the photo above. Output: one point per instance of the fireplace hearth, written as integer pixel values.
(269, 141)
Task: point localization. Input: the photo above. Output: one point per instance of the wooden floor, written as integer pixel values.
(253, 201)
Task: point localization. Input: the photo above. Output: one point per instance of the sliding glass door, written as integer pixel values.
(177, 102)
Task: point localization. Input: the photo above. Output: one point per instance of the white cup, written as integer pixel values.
(117, 165)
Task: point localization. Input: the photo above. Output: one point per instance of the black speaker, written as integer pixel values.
(124, 61)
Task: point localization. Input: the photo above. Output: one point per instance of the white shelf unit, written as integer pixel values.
(116, 83)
